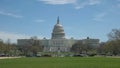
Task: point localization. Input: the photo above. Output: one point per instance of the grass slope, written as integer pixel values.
(57, 62)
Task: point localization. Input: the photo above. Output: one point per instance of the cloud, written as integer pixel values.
(39, 20)
(94, 2)
(87, 3)
(10, 14)
(112, 10)
(12, 36)
(73, 2)
(54, 2)
(100, 17)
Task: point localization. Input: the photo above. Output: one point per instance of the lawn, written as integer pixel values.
(61, 62)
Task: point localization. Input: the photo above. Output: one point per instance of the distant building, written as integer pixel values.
(58, 41)
(29, 42)
(91, 42)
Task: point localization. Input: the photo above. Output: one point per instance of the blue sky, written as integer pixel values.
(80, 18)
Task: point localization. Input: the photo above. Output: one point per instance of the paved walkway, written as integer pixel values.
(8, 57)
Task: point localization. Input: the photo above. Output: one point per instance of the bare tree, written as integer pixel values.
(113, 45)
(114, 34)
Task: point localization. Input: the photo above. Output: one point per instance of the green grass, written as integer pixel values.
(57, 62)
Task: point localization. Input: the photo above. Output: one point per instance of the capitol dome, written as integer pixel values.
(58, 31)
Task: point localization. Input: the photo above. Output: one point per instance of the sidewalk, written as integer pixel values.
(8, 57)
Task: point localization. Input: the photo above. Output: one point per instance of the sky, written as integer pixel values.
(20, 19)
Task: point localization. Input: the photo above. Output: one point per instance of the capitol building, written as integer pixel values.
(58, 41)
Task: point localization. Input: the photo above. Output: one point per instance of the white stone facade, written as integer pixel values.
(58, 45)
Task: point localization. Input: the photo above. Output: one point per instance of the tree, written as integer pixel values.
(114, 34)
(1, 47)
(81, 47)
(101, 48)
(113, 45)
(32, 47)
(8, 49)
(77, 47)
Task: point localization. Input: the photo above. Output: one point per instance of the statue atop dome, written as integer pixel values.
(58, 22)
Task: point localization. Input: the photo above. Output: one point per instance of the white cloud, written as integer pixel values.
(73, 2)
(10, 14)
(12, 36)
(94, 2)
(87, 3)
(54, 2)
(39, 20)
(100, 17)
